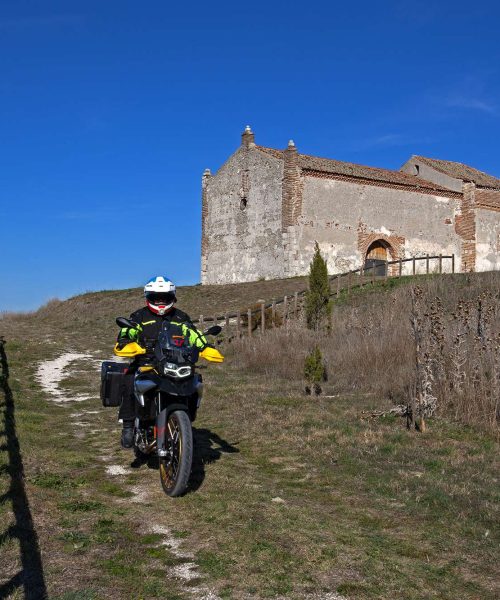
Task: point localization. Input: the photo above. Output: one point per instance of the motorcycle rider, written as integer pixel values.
(160, 295)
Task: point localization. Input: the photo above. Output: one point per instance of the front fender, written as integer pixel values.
(161, 424)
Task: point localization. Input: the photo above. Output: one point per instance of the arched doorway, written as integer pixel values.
(376, 258)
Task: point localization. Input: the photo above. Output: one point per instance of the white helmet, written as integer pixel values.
(160, 294)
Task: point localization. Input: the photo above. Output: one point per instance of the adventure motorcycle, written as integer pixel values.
(168, 390)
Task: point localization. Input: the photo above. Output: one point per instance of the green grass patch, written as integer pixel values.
(78, 595)
(216, 565)
(77, 506)
(114, 489)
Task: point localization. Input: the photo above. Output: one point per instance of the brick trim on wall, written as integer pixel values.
(397, 186)
(395, 243)
(291, 189)
(465, 227)
(489, 199)
(204, 214)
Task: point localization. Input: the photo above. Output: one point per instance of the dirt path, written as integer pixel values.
(51, 374)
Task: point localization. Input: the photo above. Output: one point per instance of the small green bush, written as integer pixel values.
(314, 371)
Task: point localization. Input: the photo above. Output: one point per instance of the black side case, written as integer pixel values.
(113, 382)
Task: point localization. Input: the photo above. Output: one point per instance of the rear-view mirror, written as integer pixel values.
(123, 322)
(214, 330)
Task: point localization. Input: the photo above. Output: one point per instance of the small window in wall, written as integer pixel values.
(417, 170)
(243, 204)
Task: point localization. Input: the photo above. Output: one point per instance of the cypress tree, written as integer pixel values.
(314, 371)
(317, 306)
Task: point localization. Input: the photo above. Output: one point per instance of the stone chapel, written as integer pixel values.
(265, 208)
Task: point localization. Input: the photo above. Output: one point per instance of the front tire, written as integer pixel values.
(176, 468)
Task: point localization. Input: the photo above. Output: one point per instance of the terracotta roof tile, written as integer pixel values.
(328, 165)
(460, 171)
(271, 151)
(337, 167)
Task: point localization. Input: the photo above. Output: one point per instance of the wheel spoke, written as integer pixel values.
(171, 469)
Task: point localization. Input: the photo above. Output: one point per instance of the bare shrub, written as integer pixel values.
(372, 348)
(270, 321)
(461, 354)
(280, 353)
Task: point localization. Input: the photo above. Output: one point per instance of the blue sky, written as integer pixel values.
(110, 111)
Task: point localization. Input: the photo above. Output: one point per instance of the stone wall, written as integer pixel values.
(263, 211)
(242, 237)
(344, 217)
(423, 171)
(487, 239)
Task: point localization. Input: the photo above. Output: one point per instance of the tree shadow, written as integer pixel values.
(208, 448)
(31, 576)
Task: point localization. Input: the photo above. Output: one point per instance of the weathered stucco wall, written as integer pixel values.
(421, 170)
(243, 219)
(341, 216)
(487, 240)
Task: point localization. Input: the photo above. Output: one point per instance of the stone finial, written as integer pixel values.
(248, 138)
(291, 148)
(207, 173)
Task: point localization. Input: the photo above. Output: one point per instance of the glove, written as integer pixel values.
(130, 333)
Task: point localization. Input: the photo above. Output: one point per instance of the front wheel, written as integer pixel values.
(176, 467)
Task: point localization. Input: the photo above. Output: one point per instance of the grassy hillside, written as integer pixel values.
(291, 497)
(96, 311)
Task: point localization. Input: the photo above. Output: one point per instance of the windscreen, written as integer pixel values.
(175, 346)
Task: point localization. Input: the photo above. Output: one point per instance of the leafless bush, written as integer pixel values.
(460, 351)
(270, 320)
(453, 370)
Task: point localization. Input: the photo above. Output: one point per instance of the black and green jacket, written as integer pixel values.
(150, 326)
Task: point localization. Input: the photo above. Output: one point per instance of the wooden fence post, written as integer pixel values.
(349, 283)
(238, 324)
(427, 264)
(273, 313)
(453, 263)
(361, 275)
(338, 286)
(414, 265)
(263, 316)
(440, 264)
(373, 274)
(400, 267)
(249, 314)
(296, 305)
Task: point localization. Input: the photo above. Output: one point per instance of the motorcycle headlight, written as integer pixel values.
(172, 370)
(184, 371)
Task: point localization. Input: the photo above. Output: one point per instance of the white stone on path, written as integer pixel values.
(116, 470)
(50, 373)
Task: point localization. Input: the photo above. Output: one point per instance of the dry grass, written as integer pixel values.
(371, 347)
(291, 497)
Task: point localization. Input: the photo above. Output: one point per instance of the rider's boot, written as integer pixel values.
(127, 440)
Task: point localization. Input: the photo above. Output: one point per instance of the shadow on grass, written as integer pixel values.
(208, 448)
(31, 576)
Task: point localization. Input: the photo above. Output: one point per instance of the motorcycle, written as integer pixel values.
(168, 391)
